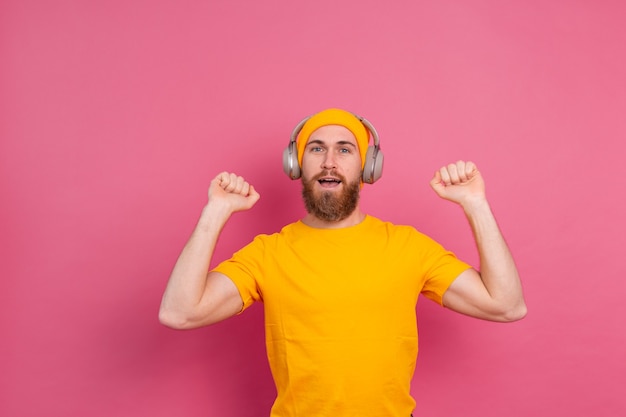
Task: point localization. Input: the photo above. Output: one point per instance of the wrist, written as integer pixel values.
(215, 212)
(475, 204)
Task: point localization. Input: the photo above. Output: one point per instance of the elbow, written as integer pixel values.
(173, 320)
(513, 313)
(182, 319)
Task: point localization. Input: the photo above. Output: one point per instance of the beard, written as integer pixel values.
(330, 206)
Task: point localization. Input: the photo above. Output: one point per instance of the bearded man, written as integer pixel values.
(339, 287)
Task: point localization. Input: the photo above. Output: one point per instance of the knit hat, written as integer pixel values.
(334, 117)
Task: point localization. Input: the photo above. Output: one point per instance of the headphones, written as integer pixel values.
(374, 158)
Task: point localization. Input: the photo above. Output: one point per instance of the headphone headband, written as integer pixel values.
(370, 128)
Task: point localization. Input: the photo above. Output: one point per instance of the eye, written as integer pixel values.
(344, 150)
(316, 149)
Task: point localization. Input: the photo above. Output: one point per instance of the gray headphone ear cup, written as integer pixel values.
(290, 161)
(373, 167)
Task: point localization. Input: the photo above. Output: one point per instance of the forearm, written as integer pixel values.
(188, 280)
(497, 267)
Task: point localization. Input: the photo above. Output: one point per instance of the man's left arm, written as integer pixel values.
(495, 293)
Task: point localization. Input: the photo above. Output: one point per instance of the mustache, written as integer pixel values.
(328, 173)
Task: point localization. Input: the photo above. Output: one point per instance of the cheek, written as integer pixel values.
(308, 169)
(310, 160)
(356, 167)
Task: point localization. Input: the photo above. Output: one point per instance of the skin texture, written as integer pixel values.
(496, 292)
(192, 297)
(330, 165)
(331, 172)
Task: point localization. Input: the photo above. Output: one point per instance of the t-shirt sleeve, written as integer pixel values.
(244, 269)
(441, 268)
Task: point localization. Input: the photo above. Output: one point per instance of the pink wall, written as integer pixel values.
(115, 115)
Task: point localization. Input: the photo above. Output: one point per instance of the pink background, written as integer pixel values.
(115, 115)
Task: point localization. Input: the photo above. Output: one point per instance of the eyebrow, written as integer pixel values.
(321, 142)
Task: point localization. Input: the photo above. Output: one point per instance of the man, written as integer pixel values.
(340, 287)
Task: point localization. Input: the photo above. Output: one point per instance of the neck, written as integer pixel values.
(354, 218)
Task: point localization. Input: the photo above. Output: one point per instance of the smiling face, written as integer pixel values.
(331, 173)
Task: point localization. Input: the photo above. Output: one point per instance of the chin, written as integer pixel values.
(332, 205)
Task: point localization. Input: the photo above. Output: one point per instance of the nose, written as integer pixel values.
(329, 161)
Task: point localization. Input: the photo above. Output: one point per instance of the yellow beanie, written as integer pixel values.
(334, 117)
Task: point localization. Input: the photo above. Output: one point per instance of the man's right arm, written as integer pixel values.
(193, 297)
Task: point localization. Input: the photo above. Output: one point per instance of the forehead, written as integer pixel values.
(333, 133)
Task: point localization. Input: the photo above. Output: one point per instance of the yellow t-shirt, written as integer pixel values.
(341, 331)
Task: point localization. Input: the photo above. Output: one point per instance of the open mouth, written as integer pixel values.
(329, 182)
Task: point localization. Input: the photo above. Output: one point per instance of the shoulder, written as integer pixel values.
(271, 239)
(405, 236)
(392, 228)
